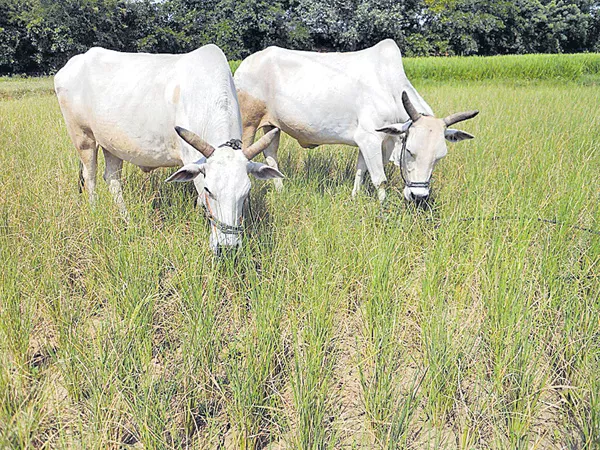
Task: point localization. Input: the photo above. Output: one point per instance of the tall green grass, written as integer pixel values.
(582, 67)
(509, 67)
(339, 323)
(19, 87)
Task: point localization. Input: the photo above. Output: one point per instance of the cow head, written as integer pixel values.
(225, 184)
(422, 145)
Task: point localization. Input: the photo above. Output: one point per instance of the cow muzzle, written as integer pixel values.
(224, 245)
(224, 250)
(416, 195)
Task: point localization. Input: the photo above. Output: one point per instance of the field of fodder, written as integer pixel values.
(582, 67)
(341, 323)
(12, 88)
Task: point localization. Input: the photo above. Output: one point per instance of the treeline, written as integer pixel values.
(39, 36)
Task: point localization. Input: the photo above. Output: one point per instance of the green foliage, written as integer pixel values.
(509, 67)
(39, 36)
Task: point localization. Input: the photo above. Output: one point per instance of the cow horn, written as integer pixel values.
(195, 141)
(409, 107)
(261, 144)
(459, 117)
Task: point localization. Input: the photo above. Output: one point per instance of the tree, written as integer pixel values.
(503, 27)
(15, 45)
(41, 35)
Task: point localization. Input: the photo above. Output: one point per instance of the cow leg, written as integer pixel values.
(88, 167)
(84, 141)
(251, 119)
(271, 157)
(112, 176)
(248, 134)
(361, 166)
(388, 148)
(370, 148)
(253, 114)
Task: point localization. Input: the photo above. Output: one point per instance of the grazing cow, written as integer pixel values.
(359, 98)
(133, 105)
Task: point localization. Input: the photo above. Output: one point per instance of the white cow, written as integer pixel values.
(359, 98)
(130, 105)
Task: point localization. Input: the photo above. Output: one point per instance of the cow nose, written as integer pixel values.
(223, 249)
(419, 199)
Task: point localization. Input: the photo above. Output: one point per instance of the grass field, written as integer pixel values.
(341, 324)
(581, 68)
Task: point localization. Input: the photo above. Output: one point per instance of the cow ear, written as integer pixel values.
(262, 171)
(453, 135)
(396, 129)
(187, 173)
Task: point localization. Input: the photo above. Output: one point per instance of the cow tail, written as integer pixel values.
(81, 179)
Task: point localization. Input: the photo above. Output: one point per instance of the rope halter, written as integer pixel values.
(217, 224)
(404, 171)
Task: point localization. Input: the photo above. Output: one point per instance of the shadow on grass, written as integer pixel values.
(324, 167)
